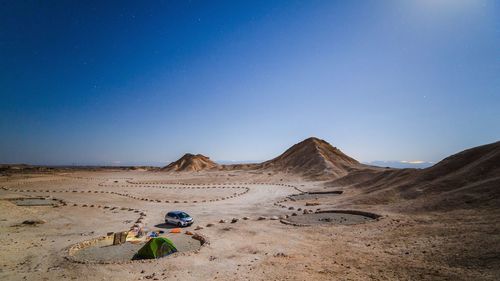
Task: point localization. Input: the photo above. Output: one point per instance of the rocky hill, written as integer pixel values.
(313, 157)
(191, 163)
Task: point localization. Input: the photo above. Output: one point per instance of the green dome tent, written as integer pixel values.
(156, 248)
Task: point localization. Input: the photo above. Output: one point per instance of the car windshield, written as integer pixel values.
(183, 215)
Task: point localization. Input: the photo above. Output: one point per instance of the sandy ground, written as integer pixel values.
(457, 245)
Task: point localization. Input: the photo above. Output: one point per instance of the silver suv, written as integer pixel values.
(178, 218)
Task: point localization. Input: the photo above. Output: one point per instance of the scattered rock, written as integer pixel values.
(222, 221)
(210, 224)
(312, 203)
(33, 222)
(198, 227)
(234, 220)
(246, 218)
(261, 218)
(274, 218)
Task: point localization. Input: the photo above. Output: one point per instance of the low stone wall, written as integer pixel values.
(326, 192)
(57, 202)
(84, 244)
(245, 191)
(353, 212)
(72, 250)
(213, 184)
(283, 221)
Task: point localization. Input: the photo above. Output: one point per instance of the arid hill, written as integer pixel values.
(189, 163)
(470, 178)
(313, 157)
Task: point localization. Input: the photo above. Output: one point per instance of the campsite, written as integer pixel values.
(249, 221)
(250, 140)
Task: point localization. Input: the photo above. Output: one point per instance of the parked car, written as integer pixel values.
(178, 218)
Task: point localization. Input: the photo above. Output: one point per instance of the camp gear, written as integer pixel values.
(156, 248)
(120, 237)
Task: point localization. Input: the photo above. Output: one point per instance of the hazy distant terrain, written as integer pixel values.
(402, 164)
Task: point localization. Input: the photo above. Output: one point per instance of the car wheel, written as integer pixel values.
(179, 224)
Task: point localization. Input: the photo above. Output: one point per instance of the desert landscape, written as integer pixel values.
(250, 140)
(312, 213)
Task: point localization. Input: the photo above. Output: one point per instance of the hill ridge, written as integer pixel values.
(191, 163)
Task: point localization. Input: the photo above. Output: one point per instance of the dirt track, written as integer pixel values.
(459, 245)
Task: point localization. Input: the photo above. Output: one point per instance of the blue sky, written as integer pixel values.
(89, 82)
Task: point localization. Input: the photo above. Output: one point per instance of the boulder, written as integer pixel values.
(312, 203)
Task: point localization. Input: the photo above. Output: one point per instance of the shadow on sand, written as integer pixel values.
(167, 226)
